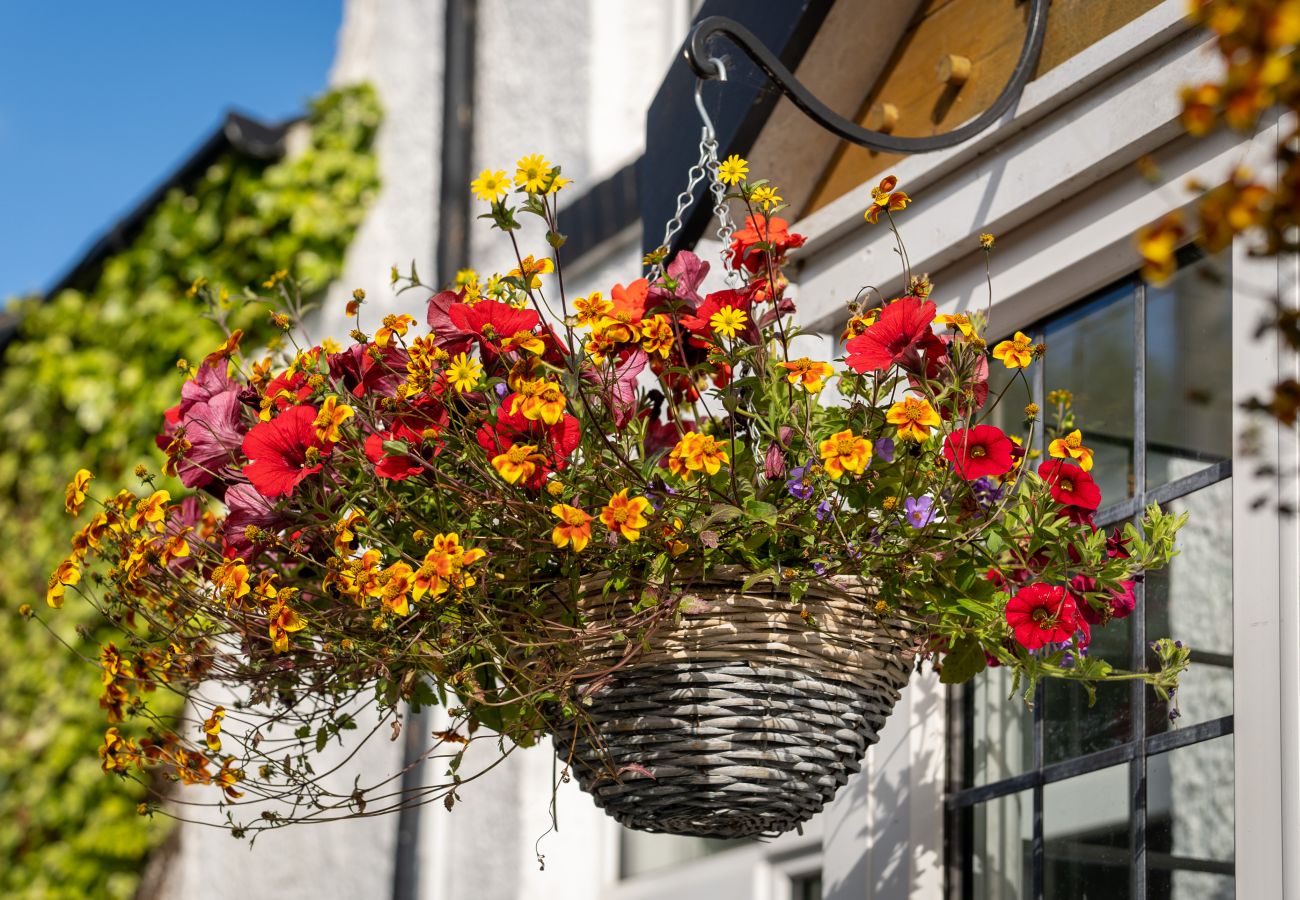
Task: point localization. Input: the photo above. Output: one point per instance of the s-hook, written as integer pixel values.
(697, 56)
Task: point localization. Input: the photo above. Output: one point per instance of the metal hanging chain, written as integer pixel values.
(707, 67)
(707, 166)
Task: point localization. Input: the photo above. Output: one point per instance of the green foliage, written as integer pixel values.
(81, 386)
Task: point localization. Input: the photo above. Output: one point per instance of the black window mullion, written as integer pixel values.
(1137, 695)
(1040, 694)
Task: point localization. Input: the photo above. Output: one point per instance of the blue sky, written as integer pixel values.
(100, 101)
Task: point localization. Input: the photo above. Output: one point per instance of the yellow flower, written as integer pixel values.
(574, 527)
(728, 320)
(986, 241)
(212, 728)
(884, 197)
(625, 514)
(539, 400)
(696, 453)
(530, 269)
(466, 278)
(463, 373)
(960, 321)
(591, 309)
(331, 416)
(766, 197)
(116, 753)
(518, 463)
(393, 325)
(231, 579)
(845, 452)
(811, 375)
(733, 170)
(914, 417)
(533, 173)
(490, 186)
(1016, 353)
(65, 575)
(1158, 245)
(281, 621)
(75, 496)
(151, 511)
(1071, 446)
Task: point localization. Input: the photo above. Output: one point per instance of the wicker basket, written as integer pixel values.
(741, 719)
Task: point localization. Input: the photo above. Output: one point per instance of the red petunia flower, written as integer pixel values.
(902, 332)
(975, 452)
(495, 325)
(629, 302)
(395, 467)
(699, 324)
(1071, 486)
(283, 451)
(1042, 614)
(773, 232)
(358, 370)
(555, 442)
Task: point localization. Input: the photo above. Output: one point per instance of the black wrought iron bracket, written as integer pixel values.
(705, 67)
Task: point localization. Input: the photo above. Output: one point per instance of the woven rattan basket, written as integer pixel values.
(738, 719)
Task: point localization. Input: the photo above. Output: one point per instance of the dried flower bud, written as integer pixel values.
(1031, 411)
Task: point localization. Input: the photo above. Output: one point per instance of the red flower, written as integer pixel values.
(1042, 614)
(975, 452)
(556, 442)
(903, 329)
(699, 325)
(362, 374)
(773, 232)
(493, 323)
(629, 302)
(394, 467)
(1071, 487)
(283, 451)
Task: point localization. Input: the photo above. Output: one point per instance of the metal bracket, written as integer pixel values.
(698, 57)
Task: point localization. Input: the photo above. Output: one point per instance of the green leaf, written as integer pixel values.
(762, 511)
(964, 661)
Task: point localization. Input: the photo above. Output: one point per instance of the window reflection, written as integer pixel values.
(1188, 371)
(1000, 866)
(1002, 729)
(1190, 822)
(1086, 836)
(1090, 353)
(1073, 728)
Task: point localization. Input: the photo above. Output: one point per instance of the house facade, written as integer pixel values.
(970, 793)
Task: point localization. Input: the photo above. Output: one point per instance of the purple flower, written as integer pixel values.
(919, 511)
(798, 485)
(987, 492)
(884, 450)
(823, 510)
(502, 389)
(819, 568)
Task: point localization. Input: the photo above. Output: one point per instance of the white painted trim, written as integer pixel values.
(1289, 630)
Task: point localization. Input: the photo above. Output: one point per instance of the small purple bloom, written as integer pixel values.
(884, 450)
(823, 510)
(798, 486)
(919, 511)
(1067, 661)
(502, 389)
(819, 568)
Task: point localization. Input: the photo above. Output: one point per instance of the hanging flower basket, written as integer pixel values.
(743, 714)
(634, 525)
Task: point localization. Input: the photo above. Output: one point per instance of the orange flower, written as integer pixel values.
(657, 335)
(444, 566)
(625, 514)
(398, 584)
(281, 621)
(65, 575)
(591, 309)
(1158, 243)
(539, 400)
(75, 497)
(696, 453)
(914, 417)
(518, 463)
(117, 753)
(812, 375)
(231, 579)
(332, 415)
(212, 728)
(845, 452)
(227, 349)
(393, 325)
(884, 197)
(151, 511)
(574, 527)
(1071, 446)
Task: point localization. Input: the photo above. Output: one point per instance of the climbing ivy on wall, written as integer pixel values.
(84, 384)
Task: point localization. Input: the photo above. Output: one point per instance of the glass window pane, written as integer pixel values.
(1002, 730)
(1189, 371)
(1010, 398)
(643, 852)
(1191, 601)
(1086, 836)
(1090, 354)
(1073, 728)
(1190, 823)
(1000, 864)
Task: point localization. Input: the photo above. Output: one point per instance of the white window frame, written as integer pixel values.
(1056, 182)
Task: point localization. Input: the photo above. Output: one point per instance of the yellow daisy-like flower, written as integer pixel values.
(463, 373)
(811, 375)
(733, 169)
(331, 416)
(590, 309)
(533, 173)
(574, 528)
(490, 186)
(766, 197)
(914, 417)
(518, 463)
(1071, 447)
(696, 453)
(75, 496)
(1016, 353)
(625, 514)
(845, 452)
(960, 321)
(728, 320)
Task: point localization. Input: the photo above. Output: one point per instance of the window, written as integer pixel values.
(1065, 801)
